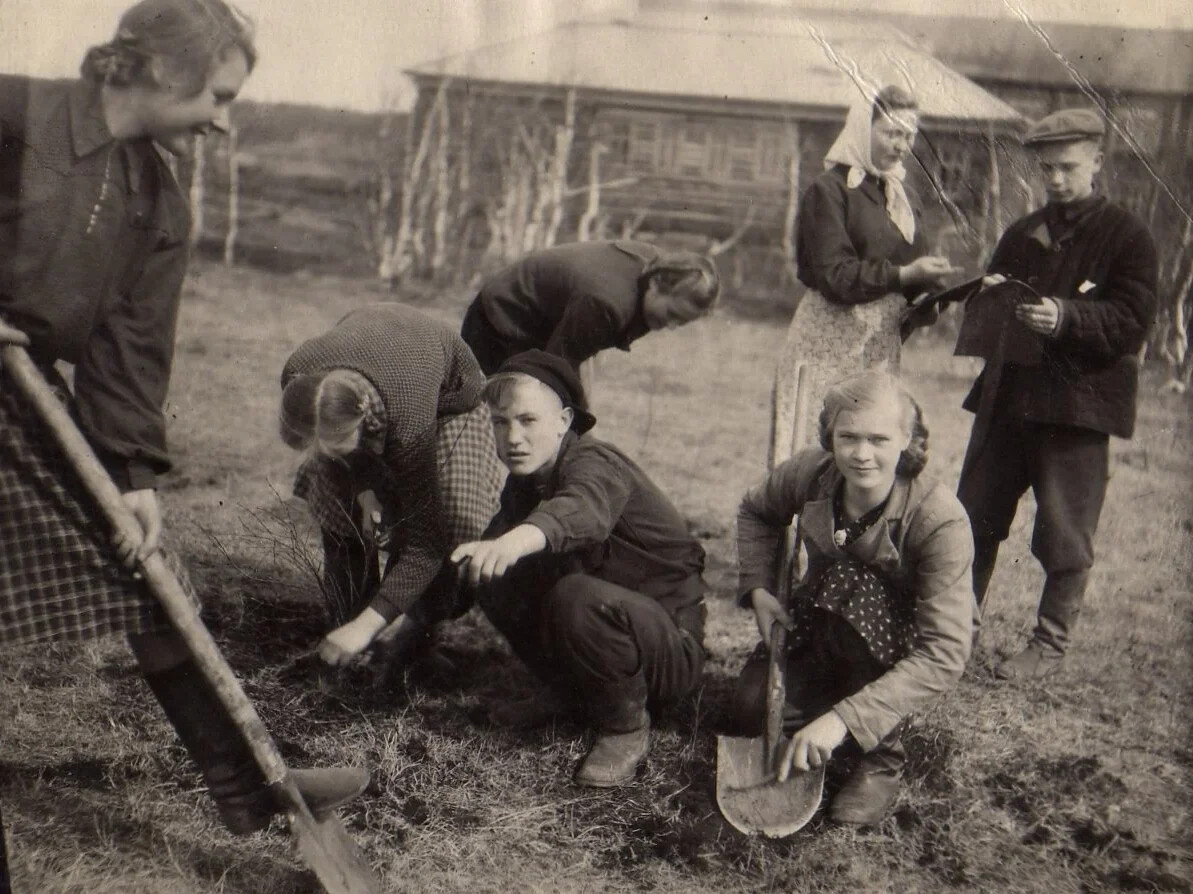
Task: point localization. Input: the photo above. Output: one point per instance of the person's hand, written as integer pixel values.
(812, 746)
(929, 269)
(371, 515)
(916, 318)
(992, 279)
(1041, 317)
(344, 643)
(481, 561)
(10, 335)
(767, 613)
(137, 546)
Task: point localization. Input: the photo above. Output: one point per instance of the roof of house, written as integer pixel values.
(1146, 60)
(726, 54)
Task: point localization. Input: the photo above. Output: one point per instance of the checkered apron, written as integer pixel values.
(470, 481)
(59, 577)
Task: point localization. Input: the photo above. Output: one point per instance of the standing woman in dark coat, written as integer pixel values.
(860, 249)
(93, 236)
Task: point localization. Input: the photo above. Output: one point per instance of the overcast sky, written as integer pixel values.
(351, 53)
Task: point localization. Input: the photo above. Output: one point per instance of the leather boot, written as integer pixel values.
(1035, 662)
(615, 755)
(871, 789)
(217, 747)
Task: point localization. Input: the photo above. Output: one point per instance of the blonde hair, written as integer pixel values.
(320, 411)
(499, 386)
(875, 388)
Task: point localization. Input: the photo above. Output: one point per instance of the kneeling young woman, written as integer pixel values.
(881, 621)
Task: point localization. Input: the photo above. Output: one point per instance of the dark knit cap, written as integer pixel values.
(558, 375)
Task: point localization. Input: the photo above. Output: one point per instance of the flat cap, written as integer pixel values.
(1066, 124)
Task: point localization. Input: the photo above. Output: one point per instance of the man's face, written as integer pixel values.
(529, 426)
(172, 116)
(1068, 170)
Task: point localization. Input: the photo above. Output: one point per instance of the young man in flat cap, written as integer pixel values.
(587, 570)
(578, 299)
(1094, 265)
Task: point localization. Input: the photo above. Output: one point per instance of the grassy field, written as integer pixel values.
(1083, 784)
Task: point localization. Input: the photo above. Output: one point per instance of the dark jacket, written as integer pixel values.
(606, 518)
(423, 371)
(93, 252)
(572, 300)
(921, 543)
(846, 246)
(1100, 264)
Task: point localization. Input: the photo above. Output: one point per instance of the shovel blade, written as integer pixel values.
(751, 798)
(326, 848)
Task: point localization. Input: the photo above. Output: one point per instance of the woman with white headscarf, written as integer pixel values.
(861, 251)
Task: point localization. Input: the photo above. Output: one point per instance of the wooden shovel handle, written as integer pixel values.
(776, 689)
(161, 580)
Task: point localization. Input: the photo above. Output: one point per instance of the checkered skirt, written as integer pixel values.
(470, 481)
(59, 578)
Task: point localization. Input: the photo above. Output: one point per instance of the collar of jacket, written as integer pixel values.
(546, 483)
(89, 132)
(1059, 223)
(877, 544)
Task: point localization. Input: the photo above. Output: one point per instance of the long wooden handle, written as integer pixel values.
(161, 580)
(776, 689)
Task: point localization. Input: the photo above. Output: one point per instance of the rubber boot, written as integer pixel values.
(218, 748)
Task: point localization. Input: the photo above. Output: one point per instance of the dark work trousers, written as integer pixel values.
(833, 665)
(611, 650)
(488, 346)
(1066, 467)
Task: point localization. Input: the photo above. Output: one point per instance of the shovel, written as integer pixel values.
(749, 793)
(324, 845)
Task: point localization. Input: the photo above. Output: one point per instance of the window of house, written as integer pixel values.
(691, 150)
(644, 146)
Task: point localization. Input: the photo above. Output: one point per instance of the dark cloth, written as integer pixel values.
(1067, 469)
(603, 516)
(613, 608)
(93, 251)
(920, 545)
(847, 248)
(599, 645)
(1099, 262)
(470, 479)
(867, 601)
(571, 300)
(92, 258)
(425, 374)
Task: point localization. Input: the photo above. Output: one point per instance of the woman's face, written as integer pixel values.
(891, 137)
(867, 442)
(172, 114)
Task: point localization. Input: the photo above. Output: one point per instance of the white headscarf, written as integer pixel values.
(852, 148)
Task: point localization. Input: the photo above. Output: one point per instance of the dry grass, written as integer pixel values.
(1079, 785)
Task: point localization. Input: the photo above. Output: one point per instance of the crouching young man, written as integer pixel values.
(587, 569)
